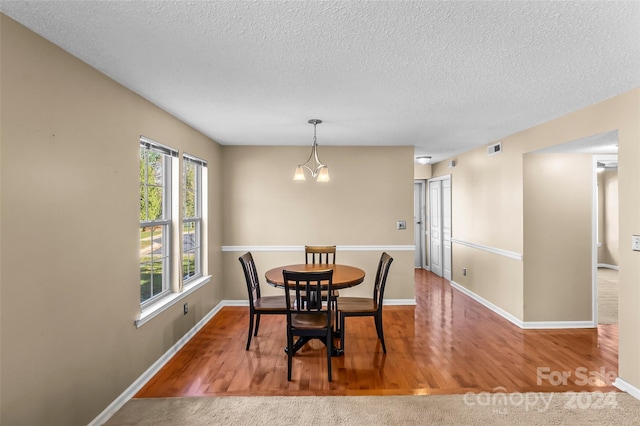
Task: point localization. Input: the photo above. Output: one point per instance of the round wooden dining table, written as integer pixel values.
(344, 276)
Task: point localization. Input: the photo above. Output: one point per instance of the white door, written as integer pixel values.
(418, 222)
(435, 226)
(446, 228)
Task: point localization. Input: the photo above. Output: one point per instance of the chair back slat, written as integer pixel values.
(381, 278)
(251, 277)
(320, 255)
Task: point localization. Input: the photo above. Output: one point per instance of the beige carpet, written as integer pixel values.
(607, 296)
(583, 408)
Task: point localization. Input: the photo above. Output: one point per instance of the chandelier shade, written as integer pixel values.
(318, 171)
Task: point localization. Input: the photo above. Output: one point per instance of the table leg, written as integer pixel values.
(303, 341)
(298, 344)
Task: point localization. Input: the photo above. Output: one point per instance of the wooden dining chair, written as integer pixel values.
(364, 306)
(258, 304)
(326, 255)
(308, 320)
(320, 254)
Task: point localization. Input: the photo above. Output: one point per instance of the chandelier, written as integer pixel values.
(318, 171)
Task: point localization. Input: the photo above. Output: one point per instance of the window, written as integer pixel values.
(192, 217)
(155, 219)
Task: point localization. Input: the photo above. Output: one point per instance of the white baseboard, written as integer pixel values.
(506, 315)
(396, 302)
(243, 302)
(541, 325)
(151, 371)
(608, 266)
(627, 387)
(527, 325)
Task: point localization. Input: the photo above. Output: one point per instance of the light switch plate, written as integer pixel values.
(401, 224)
(635, 242)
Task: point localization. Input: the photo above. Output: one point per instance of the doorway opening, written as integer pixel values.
(602, 150)
(419, 220)
(605, 239)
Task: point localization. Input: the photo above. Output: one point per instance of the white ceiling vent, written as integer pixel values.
(494, 149)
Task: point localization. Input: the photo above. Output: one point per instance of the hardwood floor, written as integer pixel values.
(446, 344)
(608, 284)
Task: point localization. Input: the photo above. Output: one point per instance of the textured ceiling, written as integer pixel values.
(444, 77)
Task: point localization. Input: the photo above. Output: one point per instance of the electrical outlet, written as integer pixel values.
(464, 271)
(635, 242)
(186, 308)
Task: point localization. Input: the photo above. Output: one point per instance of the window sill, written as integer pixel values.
(166, 302)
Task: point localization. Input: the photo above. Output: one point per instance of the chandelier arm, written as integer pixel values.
(315, 151)
(305, 164)
(313, 173)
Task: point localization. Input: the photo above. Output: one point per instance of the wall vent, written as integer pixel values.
(494, 149)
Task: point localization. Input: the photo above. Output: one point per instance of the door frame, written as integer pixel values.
(447, 261)
(422, 244)
(594, 232)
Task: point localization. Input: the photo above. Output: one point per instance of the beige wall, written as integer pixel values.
(487, 193)
(69, 207)
(422, 171)
(486, 199)
(558, 191)
(497, 279)
(629, 213)
(371, 188)
(487, 209)
(608, 223)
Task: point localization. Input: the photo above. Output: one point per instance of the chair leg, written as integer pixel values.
(378, 319)
(329, 351)
(289, 355)
(337, 323)
(250, 330)
(255, 332)
(342, 332)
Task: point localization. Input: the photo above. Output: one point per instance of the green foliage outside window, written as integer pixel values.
(189, 190)
(151, 181)
(191, 214)
(150, 278)
(153, 253)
